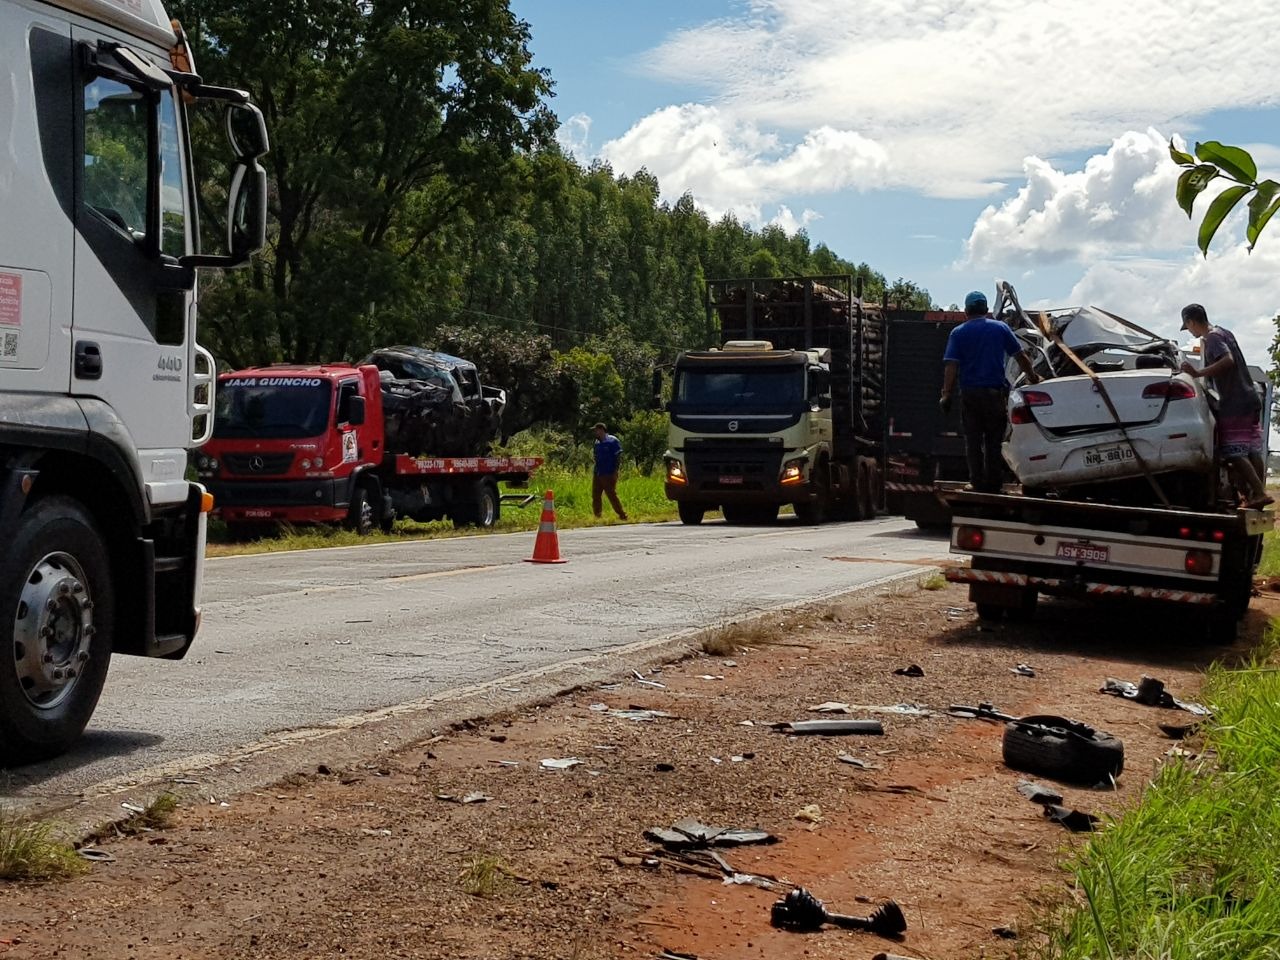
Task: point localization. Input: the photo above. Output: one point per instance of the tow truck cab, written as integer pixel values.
(293, 443)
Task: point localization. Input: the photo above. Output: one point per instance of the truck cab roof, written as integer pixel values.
(324, 371)
(141, 18)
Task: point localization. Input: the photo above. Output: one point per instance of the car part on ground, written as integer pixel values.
(1062, 749)
(800, 911)
(1151, 692)
(831, 728)
(1074, 820)
(690, 834)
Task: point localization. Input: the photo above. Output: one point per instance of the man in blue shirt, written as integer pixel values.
(976, 354)
(605, 481)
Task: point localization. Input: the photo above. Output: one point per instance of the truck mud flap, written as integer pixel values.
(1073, 587)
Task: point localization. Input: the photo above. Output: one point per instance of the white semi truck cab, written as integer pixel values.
(103, 387)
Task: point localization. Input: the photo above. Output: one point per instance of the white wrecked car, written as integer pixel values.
(1063, 433)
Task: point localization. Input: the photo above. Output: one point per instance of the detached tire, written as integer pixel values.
(58, 610)
(1063, 750)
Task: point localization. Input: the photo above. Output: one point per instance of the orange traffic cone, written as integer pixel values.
(546, 549)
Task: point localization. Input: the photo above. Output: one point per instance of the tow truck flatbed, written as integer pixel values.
(501, 468)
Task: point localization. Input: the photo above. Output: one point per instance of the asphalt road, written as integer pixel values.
(292, 640)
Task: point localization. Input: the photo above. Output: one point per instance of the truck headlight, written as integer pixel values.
(793, 471)
(675, 472)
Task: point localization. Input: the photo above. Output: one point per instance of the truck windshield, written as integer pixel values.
(271, 407)
(740, 389)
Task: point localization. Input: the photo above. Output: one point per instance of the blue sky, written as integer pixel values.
(948, 142)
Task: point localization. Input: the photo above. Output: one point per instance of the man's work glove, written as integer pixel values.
(944, 404)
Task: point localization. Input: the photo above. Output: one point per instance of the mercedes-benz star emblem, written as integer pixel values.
(256, 463)
(733, 426)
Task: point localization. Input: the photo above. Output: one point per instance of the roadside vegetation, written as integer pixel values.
(32, 850)
(1270, 565)
(1190, 872)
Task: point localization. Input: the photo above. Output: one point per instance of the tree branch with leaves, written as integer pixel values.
(1218, 161)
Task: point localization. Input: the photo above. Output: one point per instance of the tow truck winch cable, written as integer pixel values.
(1046, 327)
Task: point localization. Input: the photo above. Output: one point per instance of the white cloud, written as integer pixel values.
(732, 165)
(789, 222)
(953, 93)
(574, 136)
(1121, 201)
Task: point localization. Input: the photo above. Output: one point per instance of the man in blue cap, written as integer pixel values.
(976, 354)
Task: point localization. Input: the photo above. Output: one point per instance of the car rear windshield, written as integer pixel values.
(271, 407)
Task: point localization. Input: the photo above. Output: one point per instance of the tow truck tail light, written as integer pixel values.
(1188, 533)
(1169, 390)
(970, 538)
(1199, 562)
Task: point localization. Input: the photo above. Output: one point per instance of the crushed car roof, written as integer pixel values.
(445, 361)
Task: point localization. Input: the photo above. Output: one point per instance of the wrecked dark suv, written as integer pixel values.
(436, 404)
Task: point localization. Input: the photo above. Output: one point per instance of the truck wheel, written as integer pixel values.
(481, 512)
(691, 514)
(360, 516)
(1063, 749)
(869, 489)
(56, 597)
(388, 521)
(813, 512)
(990, 612)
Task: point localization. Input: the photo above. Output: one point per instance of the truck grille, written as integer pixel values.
(257, 464)
(733, 469)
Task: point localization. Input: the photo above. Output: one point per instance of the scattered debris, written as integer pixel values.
(741, 757)
(1063, 749)
(1178, 731)
(728, 663)
(983, 711)
(898, 709)
(810, 813)
(915, 670)
(831, 728)
(137, 808)
(1150, 692)
(855, 762)
(1022, 670)
(746, 723)
(96, 855)
(1039, 793)
(640, 714)
(1073, 820)
(802, 912)
(475, 796)
(368, 832)
(506, 763)
(708, 676)
(690, 834)
(890, 956)
(673, 955)
(647, 683)
(1005, 933)
(562, 763)
(664, 767)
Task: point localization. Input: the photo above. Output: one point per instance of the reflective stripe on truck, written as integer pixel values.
(1056, 585)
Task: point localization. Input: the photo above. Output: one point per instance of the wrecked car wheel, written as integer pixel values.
(1062, 749)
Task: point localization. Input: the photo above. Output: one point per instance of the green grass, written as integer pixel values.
(1191, 871)
(1270, 565)
(642, 497)
(31, 850)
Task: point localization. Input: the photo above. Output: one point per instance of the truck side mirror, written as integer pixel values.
(355, 411)
(246, 132)
(657, 390)
(247, 212)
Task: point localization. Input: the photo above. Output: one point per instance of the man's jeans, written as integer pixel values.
(983, 412)
(606, 484)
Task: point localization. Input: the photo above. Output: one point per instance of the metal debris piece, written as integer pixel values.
(1005, 933)
(647, 683)
(136, 808)
(831, 728)
(673, 955)
(709, 676)
(599, 707)
(506, 763)
(1038, 792)
(854, 762)
(561, 763)
(746, 723)
(96, 855)
(742, 757)
(802, 912)
(983, 711)
(1073, 820)
(690, 834)
(1151, 693)
(915, 670)
(1022, 670)
(728, 663)
(375, 833)
(641, 715)
(897, 709)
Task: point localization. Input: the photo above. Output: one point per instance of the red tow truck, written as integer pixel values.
(308, 445)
